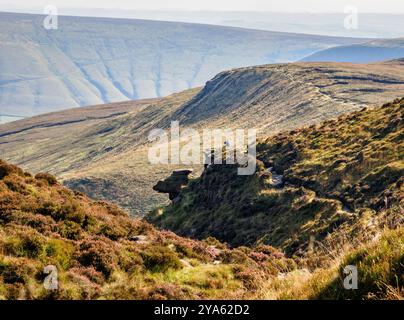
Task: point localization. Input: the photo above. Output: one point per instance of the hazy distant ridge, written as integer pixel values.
(90, 61)
(377, 50)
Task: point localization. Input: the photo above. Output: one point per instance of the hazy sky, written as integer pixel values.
(392, 6)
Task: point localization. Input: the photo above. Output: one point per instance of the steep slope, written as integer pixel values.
(377, 50)
(99, 252)
(278, 97)
(107, 158)
(316, 188)
(70, 142)
(95, 251)
(89, 61)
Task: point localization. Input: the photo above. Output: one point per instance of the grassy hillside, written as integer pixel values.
(111, 134)
(380, 273)
(102, 150)
(100, 252)
(342, 184)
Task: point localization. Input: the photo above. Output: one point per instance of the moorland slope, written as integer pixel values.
(102, 150)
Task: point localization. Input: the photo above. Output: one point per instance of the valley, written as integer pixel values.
(89, 61)
(102, 150)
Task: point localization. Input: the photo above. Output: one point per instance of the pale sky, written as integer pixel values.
(382, 6)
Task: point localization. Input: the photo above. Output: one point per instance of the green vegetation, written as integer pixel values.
(340, 204)
(341, 178)
(381, 270)
(103, 150)
(101, 253)
(380, 273)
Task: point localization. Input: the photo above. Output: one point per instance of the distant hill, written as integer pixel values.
(102, 150)
(89, 61)
(377, 50)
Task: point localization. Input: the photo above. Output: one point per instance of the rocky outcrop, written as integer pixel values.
(174, 183)
(327, 181)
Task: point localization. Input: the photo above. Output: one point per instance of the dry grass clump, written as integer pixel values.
(380, 274)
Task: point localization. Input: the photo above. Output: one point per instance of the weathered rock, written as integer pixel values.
(174, 183)
(179, 173)
(139, 239)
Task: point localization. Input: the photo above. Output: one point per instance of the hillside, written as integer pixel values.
(89, 61)
(100, 253)
(102, 150)
(376, 50)
(317, 188)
